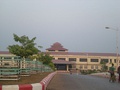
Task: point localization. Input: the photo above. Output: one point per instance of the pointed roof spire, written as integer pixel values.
(57, 46)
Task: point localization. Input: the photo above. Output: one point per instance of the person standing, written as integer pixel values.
(118, 71)
(112, 74)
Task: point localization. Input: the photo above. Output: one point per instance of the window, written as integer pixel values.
(94, 60)
(81, 66)
(96, 67)
(17, 57)
(7, 57)
(110, 60)
(61, 58)
(62, 50)
(72, 59)
(114, 60)
(6, 64)
(83, 60)
(53, 58)
(92, 67)
(85, 66)
(104, 60)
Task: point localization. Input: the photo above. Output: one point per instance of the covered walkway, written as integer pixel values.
(63, 65)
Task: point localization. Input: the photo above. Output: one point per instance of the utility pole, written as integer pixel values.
(117, 49)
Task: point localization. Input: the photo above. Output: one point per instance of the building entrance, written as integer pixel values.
(61, 66)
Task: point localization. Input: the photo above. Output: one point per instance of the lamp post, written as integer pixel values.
(117, 49)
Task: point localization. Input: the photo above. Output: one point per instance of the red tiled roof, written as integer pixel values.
(5, 52)
(62, 62)
(83, 53)
(73, 53)
(56, 46)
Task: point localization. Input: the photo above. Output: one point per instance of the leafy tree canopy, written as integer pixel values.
(104, 67)
(25, 48)
(45, 58)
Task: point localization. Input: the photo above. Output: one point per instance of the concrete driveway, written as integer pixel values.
(65, 81)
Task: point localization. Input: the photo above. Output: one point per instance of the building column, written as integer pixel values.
(67, 67)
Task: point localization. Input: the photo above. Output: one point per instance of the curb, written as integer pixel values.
(46, 80)
(35, 86)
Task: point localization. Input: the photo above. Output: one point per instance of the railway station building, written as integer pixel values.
(65, 60)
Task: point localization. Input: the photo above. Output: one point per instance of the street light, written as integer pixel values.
(117, 49)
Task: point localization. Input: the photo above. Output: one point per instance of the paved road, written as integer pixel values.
(65, 81)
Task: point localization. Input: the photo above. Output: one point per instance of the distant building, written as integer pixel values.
(65, 60)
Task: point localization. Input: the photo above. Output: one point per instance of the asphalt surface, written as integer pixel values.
(65, 81)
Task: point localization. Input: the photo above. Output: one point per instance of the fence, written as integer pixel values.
(14, 68)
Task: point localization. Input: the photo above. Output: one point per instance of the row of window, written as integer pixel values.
(16, 57)
(86, 67)
(92, 60)
(83, 60)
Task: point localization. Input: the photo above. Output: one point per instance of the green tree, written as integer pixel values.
(103, 65)
(46, 59)
(25, 48)
(52, 65)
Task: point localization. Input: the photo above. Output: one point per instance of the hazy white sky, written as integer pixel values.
(79, 25)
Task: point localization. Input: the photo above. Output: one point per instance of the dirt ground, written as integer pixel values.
(33, 78)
